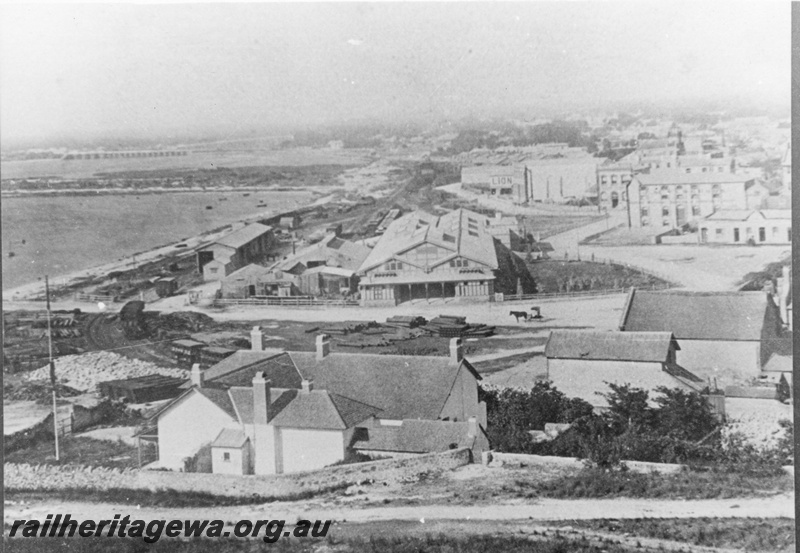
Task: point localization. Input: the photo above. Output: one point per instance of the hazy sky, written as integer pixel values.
(73, 70)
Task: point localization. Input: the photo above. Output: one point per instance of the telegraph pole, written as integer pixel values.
(52, 364)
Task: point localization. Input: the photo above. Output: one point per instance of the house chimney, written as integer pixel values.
(473, 427)
(323, 346)
(307, 385)
(197, 376)
(261, 398)
(256, 339)
(456, 351)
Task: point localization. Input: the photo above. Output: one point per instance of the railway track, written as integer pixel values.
(103, 333)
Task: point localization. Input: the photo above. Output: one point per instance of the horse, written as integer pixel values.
(520, 314)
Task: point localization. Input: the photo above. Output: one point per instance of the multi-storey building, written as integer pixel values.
(670, 199)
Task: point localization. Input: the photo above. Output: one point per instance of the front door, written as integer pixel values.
(762, 234)
(704, 235)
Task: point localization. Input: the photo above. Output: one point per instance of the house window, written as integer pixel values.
(613, 179)
(688, 170)
(789, 234)
(603, 180)
(645, 221)
(774, 232)
(644, 212)
(226, 456)
(665, 211)
(718, 232)
(664, 197)
(614, 199)
(394, 266)
(459, 263)
(665, 223)
(736, 235)
(212, 270)
(696, 210)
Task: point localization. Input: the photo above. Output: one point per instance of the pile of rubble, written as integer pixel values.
(84, 372)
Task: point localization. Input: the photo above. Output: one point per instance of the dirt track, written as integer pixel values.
(781, 506)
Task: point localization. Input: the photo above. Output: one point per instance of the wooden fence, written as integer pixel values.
(288, 301)
(93, 298)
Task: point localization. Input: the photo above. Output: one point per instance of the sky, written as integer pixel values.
(83, 70)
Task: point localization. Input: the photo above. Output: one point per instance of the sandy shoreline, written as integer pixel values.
(37, 289)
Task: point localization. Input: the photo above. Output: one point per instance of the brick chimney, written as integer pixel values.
(323, 346)
(196, 376)
(307, 386)
(261, 399)
(256, 339)
(456, 351)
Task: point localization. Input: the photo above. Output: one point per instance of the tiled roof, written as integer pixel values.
(697, 315)
(417, 436)
(242, 399)
(230, 437)
(243, 236)
(614, 346)
(403, 386)
(463, 232)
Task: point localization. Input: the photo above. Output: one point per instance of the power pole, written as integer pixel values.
(52, 365)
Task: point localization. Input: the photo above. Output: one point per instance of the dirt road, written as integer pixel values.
(543, 510)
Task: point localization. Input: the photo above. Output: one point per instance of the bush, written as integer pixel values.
(513, 413)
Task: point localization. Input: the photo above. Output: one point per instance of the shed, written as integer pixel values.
(142, 389)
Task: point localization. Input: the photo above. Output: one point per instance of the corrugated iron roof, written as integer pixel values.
(230, 438)
(614, 346)
(239, 238)
(698, 315)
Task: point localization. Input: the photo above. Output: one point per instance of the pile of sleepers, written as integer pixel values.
(346, 327)
(450, 326)
(406, 321)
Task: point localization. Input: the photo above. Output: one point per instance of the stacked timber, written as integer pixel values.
(346, 327)
(450, 326)
(406, 321)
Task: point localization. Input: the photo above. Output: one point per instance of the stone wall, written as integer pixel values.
(547, 460)
(51, 478)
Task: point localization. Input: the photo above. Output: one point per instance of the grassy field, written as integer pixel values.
(746, 534)
(372, 544)
(574, 276)
(79, 451)
(590, 483)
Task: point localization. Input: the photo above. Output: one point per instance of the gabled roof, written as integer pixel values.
(243, 236)
(242, 399)
(240, 368)
(248, 270)
(220, 398)
(319, 409)
(230, 438)
(611, 346)
(332, 250)
(697, 315)
(403, 386)
(417, 436)
(463, 232)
